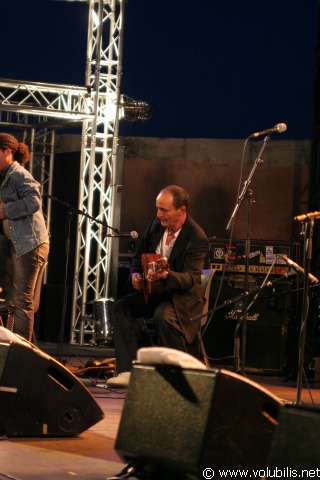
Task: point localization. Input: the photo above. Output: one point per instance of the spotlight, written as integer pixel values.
(134, 111)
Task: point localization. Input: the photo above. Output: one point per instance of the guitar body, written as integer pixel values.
(158, 264)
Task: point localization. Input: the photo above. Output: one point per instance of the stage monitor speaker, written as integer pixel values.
(267, 324)
(295, 443)
(186, 420)
(39, 397)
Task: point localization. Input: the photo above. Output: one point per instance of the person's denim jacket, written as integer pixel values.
(20, 193)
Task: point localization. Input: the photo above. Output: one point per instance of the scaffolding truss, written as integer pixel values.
(100, 194)
(38, 109)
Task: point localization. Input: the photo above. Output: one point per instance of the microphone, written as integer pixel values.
(133, 234)
(299, 269)
(279, 128)
(307, 216)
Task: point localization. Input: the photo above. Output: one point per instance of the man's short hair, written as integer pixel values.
(180, 196)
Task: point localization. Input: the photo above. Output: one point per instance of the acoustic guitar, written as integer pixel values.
(158, 264)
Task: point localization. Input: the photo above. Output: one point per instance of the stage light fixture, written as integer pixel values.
(134, 111)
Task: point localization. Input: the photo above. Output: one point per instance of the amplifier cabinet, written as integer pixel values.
(265, 256)
(267, 325)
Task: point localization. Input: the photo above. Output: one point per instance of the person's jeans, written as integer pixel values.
(5, 264)
(25, 272)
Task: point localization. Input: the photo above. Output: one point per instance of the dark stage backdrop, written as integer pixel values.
(61, 268)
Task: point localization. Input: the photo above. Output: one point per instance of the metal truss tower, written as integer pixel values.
(100, 167)
(38, 109)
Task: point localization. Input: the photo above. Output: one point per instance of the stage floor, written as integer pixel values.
(91, 455)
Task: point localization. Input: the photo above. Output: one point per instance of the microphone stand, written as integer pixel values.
(82, 212)
(307, 231)
(67, 251)
(64, 296)
(246, 192)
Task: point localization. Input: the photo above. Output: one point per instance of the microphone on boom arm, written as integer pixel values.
(132, 235)
(299, 269)
(279, 128)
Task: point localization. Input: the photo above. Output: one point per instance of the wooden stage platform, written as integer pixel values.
(91, 455)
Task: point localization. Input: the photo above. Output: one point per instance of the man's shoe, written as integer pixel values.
(122, 380)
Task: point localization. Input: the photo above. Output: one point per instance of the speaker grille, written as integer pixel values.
(40, 397)
(267, 326)
(185, 420)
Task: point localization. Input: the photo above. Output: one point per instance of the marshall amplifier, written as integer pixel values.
(265, 256)
(267, 323)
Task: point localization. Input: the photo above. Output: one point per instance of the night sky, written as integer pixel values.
(208, 68)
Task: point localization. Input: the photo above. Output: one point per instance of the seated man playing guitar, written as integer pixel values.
(166, 274)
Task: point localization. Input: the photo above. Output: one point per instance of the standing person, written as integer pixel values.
(24, 226)
(174, 235)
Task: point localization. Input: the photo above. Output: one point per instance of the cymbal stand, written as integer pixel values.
(246, 192)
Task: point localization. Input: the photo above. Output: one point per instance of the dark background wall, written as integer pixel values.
(210, 171)
(60, 271)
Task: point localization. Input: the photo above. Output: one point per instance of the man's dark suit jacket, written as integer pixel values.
(186, 263)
